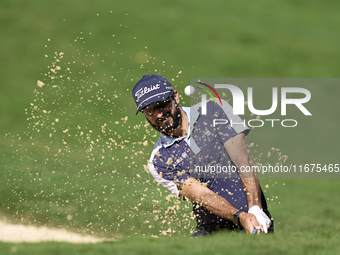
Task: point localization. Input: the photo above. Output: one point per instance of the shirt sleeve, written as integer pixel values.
(227, 124)
(167, 169)
(163, 171)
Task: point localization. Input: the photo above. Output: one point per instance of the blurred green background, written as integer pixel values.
(72, 151)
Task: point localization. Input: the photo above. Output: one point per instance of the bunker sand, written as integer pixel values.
(20, 233)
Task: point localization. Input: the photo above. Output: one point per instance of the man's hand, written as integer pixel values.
(193, 190)
(249, 223)
(261, 217)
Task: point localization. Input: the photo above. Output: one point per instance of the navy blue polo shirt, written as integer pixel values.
(201, 155)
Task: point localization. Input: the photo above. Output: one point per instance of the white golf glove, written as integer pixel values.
(261, 217)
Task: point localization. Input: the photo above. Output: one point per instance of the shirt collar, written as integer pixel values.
(168, 140)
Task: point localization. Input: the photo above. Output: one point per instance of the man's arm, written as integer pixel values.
(196, 192)
(238, 152)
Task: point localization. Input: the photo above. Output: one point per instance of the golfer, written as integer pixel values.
(201, 162)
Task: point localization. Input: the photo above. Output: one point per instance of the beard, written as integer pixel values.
(168, 126)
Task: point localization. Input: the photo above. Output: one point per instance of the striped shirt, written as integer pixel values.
(201, 155)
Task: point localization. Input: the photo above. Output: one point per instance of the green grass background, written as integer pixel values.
(85, 172)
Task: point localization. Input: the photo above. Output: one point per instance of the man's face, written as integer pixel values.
(164, 116)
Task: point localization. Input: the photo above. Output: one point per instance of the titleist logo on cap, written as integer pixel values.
(146, 90)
